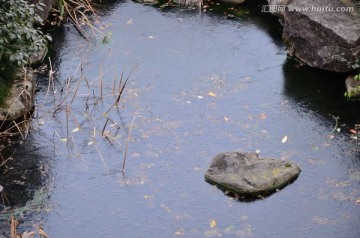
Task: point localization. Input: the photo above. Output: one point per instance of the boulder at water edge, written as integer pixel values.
(323, 34)
(247, 174)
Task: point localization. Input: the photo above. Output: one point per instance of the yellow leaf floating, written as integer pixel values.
(75, 130)
(212, 223)
(284, 139)
(212, 94)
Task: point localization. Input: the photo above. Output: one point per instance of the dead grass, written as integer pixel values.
(81, 13)
(88, 109)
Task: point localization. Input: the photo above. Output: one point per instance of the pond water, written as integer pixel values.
(199, 83)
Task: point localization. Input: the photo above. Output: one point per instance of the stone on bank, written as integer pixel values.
(21, 99)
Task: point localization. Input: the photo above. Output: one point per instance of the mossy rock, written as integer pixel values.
(247, 174)
(20, 100)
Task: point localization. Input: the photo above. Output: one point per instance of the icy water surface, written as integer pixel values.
(200, 83)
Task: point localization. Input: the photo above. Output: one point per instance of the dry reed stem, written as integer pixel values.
(4, 198)
(74, 118)
(12, 105)
(51, 79)
(76, 8)
(16, 125)
(106, 122)
(127, 145)
(42, 233)
(67, 122)
(76, 90)
(115, 79)
(101, 81)
(24, 128)
(14, 224)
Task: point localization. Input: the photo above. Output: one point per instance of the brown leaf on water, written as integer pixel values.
(353, 131)
(263, 116)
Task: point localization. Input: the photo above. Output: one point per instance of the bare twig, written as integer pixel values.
(127, 145)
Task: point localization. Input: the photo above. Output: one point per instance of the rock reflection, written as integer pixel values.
(319, 91)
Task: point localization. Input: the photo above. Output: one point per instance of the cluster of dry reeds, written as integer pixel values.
(80, 13)
(91, 113)
(27, 234)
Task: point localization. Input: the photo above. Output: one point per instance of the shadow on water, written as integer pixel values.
(247, 198)
(24, 176)
(320, 92)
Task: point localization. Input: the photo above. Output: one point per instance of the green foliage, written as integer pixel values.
(356, 66)
(18, 39)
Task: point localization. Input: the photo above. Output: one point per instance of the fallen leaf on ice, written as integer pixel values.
(212, 223)
(212, 94)
(263, 116)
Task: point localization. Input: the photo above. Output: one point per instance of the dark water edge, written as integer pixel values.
(311, 99)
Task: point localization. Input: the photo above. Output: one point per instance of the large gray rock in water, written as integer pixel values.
(320, 34)
(246, 174)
